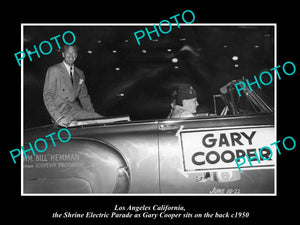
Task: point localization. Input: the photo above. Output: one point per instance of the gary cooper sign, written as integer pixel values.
(215, 149)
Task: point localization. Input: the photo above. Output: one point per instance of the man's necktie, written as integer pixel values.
(71, 75)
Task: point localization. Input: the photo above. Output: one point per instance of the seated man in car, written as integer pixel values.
(65, 93)
(185, 102)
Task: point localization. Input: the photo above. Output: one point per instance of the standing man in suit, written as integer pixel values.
(65, 94)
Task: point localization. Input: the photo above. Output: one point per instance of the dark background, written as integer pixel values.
(38, 210)
(124, 78)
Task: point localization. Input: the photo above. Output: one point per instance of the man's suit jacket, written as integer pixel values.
(60, 96)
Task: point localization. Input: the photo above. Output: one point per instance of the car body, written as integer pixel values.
(164, 156)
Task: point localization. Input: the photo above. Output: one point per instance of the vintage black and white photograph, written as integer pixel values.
(148, 109)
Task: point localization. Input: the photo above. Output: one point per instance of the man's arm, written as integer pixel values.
(50, 96)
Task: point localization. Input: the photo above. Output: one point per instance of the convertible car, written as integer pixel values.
(165, 156)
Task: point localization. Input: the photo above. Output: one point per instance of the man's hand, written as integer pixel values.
(64, 121)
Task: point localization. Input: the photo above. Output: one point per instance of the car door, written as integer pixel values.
(197, 155)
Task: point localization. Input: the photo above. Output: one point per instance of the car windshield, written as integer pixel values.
(249, 102)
